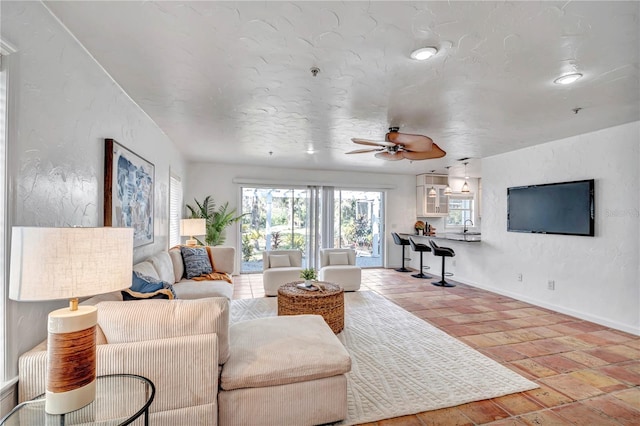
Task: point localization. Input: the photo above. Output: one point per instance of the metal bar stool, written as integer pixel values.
(401, 242)
(420, 248)
(443, 252)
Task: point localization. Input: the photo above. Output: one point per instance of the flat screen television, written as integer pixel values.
(556, 208)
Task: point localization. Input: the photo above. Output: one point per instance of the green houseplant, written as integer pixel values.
(218, 219)
(308, 274)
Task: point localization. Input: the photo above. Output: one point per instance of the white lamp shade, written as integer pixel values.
(192, 227)
(64, 263)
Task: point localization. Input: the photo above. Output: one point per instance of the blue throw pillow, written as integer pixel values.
(145, 287)
(196, 261)
(144, 284)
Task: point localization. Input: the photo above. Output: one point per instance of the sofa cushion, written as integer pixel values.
(340, 258)
(160, 319)
(279, 261)
(178, 264)
(196, 261)
(280, 350)
(164, 266)
(187, 289)
(146, 268)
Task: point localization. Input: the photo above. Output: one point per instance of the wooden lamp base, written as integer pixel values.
(71, 359)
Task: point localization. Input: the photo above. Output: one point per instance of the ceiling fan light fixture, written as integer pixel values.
(423, 53)
(568, 79)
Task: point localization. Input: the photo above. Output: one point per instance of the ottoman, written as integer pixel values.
(283, 371)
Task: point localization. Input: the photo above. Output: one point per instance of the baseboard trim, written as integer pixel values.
(560, 309)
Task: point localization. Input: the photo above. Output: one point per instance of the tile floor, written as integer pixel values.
(588, 374)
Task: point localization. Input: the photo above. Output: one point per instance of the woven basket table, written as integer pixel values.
(328, 302)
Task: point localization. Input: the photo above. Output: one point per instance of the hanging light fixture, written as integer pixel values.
(447, 190)
(432, 192)
(465, 187)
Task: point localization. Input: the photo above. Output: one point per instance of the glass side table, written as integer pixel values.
(120, 399)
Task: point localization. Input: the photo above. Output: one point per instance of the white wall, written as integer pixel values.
(596, 278)
(217, 180)
(62, 107)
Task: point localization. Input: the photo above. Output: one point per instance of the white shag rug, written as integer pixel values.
(401, 364)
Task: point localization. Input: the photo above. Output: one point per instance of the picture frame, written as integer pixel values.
(129, 183)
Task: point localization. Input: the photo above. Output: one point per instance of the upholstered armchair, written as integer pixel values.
(338, 266)
(280, 267)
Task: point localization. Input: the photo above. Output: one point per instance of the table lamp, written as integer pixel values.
(68, 263)
(191, 227)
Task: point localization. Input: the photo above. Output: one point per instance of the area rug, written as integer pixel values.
(401, 364)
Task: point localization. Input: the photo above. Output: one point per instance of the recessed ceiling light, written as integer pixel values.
(568, 79)
(310, 151)
(423, 53)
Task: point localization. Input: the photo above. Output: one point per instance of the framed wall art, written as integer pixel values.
(128, 192)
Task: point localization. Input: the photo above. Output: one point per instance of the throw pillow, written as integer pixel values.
(279, 261)
(340, 258)
(196, 261)
(145, 287)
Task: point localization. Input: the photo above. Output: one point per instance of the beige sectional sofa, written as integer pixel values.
(281, 371)
(169, 267)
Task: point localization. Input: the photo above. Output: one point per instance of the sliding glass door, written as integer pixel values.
(277, 219)
(310, 218)
(358, 224)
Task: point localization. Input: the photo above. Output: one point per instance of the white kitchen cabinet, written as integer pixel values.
(426, 206)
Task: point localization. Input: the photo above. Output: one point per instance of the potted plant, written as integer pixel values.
(308, 274)
(217, 219)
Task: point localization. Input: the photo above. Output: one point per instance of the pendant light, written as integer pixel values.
(432, 192)
(447, 190)
(465, 187)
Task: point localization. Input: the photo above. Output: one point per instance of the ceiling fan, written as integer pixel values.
(398, 146)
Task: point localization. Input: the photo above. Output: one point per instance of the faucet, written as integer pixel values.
(465, 225)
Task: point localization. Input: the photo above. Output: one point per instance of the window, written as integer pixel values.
(460, 210)
(175, 210)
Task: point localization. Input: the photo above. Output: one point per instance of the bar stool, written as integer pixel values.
(420, 248)
(444, 252)
(401, 242)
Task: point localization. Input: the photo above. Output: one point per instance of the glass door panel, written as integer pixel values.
(358, 225)
(277, 219)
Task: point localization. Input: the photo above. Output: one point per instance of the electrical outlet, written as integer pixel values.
(519, 277)
(551, 285)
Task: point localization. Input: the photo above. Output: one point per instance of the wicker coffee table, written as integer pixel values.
(329, 303)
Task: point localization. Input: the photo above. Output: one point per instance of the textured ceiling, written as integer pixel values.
(230, 81)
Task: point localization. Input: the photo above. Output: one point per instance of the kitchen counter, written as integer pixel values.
(470, 237)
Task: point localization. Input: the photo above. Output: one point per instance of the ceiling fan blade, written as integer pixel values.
(436, 152)
(373, 143)
(416, 143)
(389, 156)
(360, 151)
